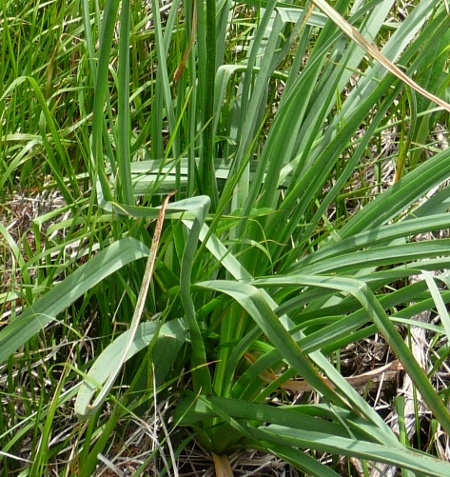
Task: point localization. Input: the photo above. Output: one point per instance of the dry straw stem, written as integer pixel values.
(389, 370)
(139, 305)
(373, 51)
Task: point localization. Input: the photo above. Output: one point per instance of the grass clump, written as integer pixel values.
(280, 174)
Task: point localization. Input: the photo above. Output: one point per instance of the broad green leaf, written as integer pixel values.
(406, 458)
(375, 236)
(379, 256)
(375, 311)
(47, 308)
(192, 409)
(166, 340)
(401, 195)
(260, 309)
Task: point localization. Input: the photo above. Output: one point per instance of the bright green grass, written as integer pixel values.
(285, 244)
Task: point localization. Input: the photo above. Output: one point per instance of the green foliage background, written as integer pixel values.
(284, 244)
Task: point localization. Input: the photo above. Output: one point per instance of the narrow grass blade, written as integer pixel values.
(440, 305)
(125, 188)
